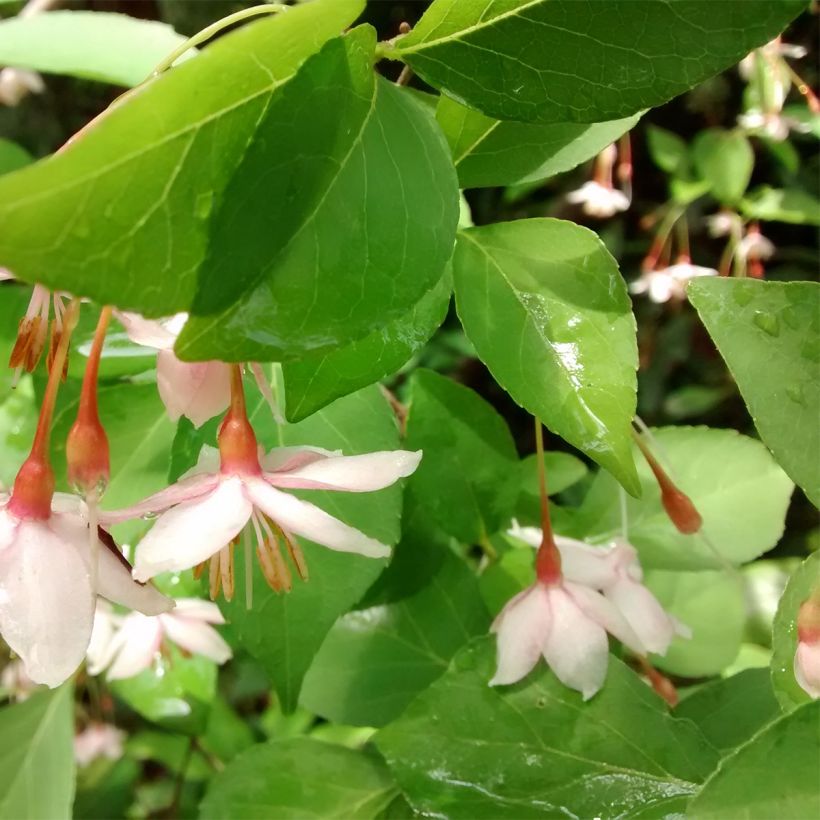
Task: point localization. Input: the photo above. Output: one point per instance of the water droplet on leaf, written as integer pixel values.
(767, 322)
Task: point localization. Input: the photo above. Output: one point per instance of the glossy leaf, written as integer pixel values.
(803, 582)
(284, 631)
(94, 45)
(489, 152)
(466, 480)
(560, 60)
(548, 313)
(730, 711)
(738, 488)
(463, 749)
(280, 278)
(375, 661)
(777, 323)
(316, 379)
(300, 779)
(37, 756)
(562, 471)
(782, 205)
(773, 775)
(725, 160)
(66, 221)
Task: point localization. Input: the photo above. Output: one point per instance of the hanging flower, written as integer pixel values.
(98, 740)
(807, 655)
(127, 646)
(669, 283)
(599, 197)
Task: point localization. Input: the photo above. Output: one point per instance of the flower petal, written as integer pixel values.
(522, 628)
(197, 637)
(199, 610)
(192, 531)
(135, 646)
(807, 667)
(576, 648)
(357, 474)
(197, 390)
(308, 520)
(282, 459)
(584, 564)
(642, 610)
(604, 613)
(146, 332)
(46, 605)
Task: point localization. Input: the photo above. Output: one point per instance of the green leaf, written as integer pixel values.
(549, 314)
(227, 734)
(730, 711)
(668, 151)
(773, 775)
(464, 749)
(561, 60)
(67, 222)
(712, 605)
(489, 152)
(284, 631)
(466, 479)
(738, 488)
(803, 582)
(375, 661)
(562, 470)
(781, 205)
(300, 779)
(778, 323)
(12, 156)
(176, 692)
(94, 45)
(725, 160)
(37, 757)
(316, 379)
(281, 279)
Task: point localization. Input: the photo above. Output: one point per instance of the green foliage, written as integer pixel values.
(725, 160)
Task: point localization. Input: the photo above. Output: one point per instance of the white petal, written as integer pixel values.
(357, 474)
(98, 655)
(585, 564)
(197, 390)
(522, 628)
(576, 648)
(595, 606)
(529, 535)
(135, 646)
(196, 637)
(303, 518)
(207, 461)
(199, 610)
(281, 459)
(642, 610)
(146, 332)
(8, 529)
(46, 605)
(807, 667)
(189, 533)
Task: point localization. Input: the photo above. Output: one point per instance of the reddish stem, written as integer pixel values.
(548, 558)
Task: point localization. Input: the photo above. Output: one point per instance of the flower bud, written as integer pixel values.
(33, 489)
(807, 656)
(87, 455)
(680, 509)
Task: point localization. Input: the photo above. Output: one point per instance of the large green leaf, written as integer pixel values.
(300, 779)
(284, 631)
(316, 379)
(340, 217)
(464, 749)
(490, 152)
(564, 60)
(37, 756)
(729, 711)
(548, 313)
(467, 479)
(375, 661)
(776, 324)
(95, 45)
(804, 581)
(738, 488)
(773, 775)
(122, 213)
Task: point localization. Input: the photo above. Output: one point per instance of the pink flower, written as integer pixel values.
(46, 598)
(599, 200)
(807, 656)
(127, 646)
(98, 740)
(210, 506)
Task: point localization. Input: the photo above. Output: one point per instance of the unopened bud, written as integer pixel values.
(680, 509)
(87, 456)
(33, 490)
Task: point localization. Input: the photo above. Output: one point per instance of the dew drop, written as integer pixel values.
(742, 295)
(767, 322)
(204, 205)
(795, 393)
(149, 516)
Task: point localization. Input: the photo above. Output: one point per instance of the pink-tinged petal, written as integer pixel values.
(189, 533)
(284, 459)
(146, 332)
(207, 461)
(98, 655)
(135, 646)
(46, 605)
(654, 628)
(8, 529)
(605, 614)
(522, 628)
(807, 667)
(585, 564)
(355, 474)
(197, 390)
(576, 648)
(308, 520)
(187, 489)
(98, 740)
(198, 610)
(6, 275)
(265, 389)
(529, 535)
(196, 637)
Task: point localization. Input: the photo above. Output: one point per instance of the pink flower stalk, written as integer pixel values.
(203, 514)
(98, 740)
(127, 646)
(665, 284)
(807, 655)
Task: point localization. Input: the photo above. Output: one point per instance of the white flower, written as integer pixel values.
(599, 200)
(98, 740)
(210, 506)
(669, 283)
(755, 246)
(722, 223)
(16, 83)
(129, 645)
(46, 599)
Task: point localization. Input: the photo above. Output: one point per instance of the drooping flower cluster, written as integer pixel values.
(599, 197)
